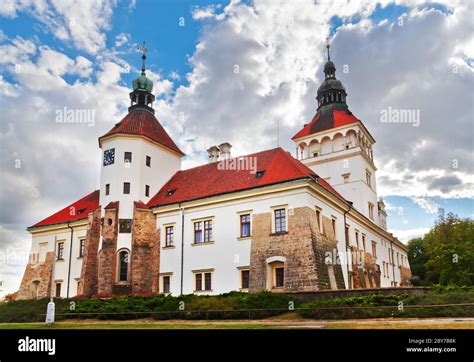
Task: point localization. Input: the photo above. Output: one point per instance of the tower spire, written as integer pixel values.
(328, 46)
(141, 96)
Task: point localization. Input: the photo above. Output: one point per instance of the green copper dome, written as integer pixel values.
(142, 82)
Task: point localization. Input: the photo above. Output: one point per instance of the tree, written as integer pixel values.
(417, 257)
(446, 254)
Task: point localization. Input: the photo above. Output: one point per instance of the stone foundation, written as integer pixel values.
(36, 281)
(108, 252)
(145, 253)
(303, 249)
(90, 263)
(365, 273)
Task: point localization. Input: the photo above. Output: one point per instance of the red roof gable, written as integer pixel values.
(209, 180)
(326, 119)
(76, 211)
(144, 123)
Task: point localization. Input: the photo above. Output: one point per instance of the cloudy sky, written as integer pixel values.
(410, 54)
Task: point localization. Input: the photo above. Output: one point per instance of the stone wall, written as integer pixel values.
(108, 252)
(36, 281)
(405, 275)
(145, 260)
(365, 270)
(90, 262)
(303, 247)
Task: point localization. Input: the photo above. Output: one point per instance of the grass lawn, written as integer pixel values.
(272, 323)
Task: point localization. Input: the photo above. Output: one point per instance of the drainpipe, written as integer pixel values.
(346, 237)
(52, 290)
(182, 246)
(70, 257)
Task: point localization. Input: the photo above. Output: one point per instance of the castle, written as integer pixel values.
(264, 221)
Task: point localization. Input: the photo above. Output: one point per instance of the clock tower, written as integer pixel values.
(138, 157)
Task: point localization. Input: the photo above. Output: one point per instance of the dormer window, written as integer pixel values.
(260, 174)
(170, 192)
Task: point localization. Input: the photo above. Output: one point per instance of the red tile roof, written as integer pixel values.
(144, 123)
(209, 180)
(76, 211)
(326, 119)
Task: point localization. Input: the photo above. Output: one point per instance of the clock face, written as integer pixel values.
(109, 156)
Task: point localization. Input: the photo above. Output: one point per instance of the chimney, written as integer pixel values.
(225, 150)
(213, 153)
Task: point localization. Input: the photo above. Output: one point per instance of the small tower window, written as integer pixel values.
(127, 157)
(148, 161)
(126, 188)
(123, 266)
(147, 190)
(107, 189)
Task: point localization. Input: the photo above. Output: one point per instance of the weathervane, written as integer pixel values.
(144, 50)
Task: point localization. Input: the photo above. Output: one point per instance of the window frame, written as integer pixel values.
(283, 211)
(82, 247)
(127, 159)
(245, 222)
(147, 190)
(122, 223)
(107, 189)
(204, 282)
(60, 250)
(205, 230)
(148, 161)
(169, 236)
(125, 185)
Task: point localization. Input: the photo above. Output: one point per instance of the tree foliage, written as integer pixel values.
(445, 255)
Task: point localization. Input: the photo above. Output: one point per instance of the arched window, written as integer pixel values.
(123, 262)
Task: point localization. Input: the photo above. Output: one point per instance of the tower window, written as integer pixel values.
(371, 210)
(82, 247)
(147, 190)
(107, 189)
(123, 266)
(126, 188)
(368, 178)
(127, 157)
(148, 161)
(125, 226)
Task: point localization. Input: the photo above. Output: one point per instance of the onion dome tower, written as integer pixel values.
(141, 96)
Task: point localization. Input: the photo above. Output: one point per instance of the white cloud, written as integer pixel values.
(428, 205)
(81, 22)
(405, 235)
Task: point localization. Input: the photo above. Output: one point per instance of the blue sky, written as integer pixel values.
(85, 56)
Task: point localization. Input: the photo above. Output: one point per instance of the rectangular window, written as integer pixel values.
(126, 188)
(107, 189)
(147, 191)
(148, 161)
(245, 226)
(127, 157)
(203, 281)
(61, 251)
(363, 241)
(58, 290)
(318, 219)
(166, 284)
(125, 226)
(357, 240)
(169, 235)
(82, 247)
(198, 232)
(207, 231)
(371, 210)
(346, 234)
(198, 279)
(207, 281)
(279, 277)
(398, 258)
(280, 221)
(345, 178)
(333, 222)
(244, 278)
(374, 249)
(78, 286)
(368, 178)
